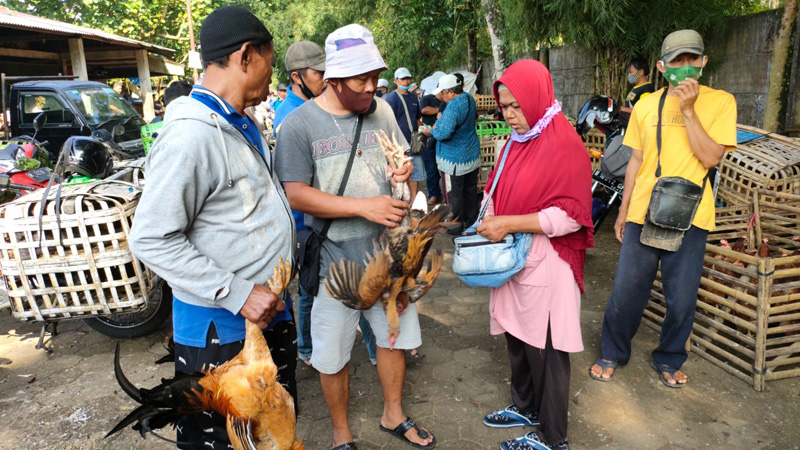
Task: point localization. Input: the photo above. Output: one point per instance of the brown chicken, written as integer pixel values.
(393, 271)
(259, 411)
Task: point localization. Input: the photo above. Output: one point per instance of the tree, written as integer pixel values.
(495, 27)
(781, 67)
(613, 30)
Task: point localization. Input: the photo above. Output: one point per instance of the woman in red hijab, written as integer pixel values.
(544, 189)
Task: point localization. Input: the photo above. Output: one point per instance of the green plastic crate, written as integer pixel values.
(502, 128)
(484, 128)
(148, 134)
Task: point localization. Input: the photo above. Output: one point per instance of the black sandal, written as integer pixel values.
(400, 433)
(347, 446)
(661, 368)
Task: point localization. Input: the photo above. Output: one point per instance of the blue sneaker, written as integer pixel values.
(510, 417)
(531, 441)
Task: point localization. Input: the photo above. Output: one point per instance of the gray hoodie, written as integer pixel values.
(212, 220)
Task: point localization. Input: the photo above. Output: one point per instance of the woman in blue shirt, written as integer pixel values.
(458, 150)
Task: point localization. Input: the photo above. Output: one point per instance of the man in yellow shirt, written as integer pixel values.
(698, 125)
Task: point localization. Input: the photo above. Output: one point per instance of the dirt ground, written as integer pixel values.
(69, 400)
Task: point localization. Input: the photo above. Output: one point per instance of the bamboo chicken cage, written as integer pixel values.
(762, 160)
(484, 103)
(490, 152)
(748, 309)
(69, 257)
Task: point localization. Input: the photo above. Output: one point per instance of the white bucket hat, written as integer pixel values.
(351, 51)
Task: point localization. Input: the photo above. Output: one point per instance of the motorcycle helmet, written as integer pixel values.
(599, 110)
(87, 157)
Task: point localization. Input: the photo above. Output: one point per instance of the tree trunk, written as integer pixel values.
(495, 25)
(472, 50)
(780, 68)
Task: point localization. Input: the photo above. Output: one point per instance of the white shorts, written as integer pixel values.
(333, 330)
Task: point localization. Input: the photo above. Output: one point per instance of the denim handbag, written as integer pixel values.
(480, 262)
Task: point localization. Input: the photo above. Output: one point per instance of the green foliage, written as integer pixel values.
(612, 30)
(160, 22)
(423, 35)
(629, 26)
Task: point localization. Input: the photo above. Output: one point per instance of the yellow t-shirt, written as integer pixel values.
(717, 113)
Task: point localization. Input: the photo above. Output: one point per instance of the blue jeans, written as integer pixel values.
(304, 344)
(431, 170)
(304, 304)
(680, 275)
(369, 338)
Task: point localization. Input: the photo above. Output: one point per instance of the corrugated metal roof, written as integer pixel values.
(28, 22)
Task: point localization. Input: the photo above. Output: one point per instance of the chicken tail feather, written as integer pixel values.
(163, 405)
(126, 385)
(240, 433)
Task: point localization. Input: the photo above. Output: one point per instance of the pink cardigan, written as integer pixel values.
(544, 289)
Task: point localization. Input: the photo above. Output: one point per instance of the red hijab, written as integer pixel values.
(550, 170)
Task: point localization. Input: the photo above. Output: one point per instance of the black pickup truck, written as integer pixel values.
(73, 108)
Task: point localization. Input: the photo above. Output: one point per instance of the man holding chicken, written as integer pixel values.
(315, 144)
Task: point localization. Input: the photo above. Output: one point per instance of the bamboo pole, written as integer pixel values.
(766, 268)
(757, 214)
(716, 361)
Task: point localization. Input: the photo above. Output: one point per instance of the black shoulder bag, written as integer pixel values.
(673, 203)
(309, 242)
(417, 143)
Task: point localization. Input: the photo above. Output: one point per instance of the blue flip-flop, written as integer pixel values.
(605, 365)
(661, 368)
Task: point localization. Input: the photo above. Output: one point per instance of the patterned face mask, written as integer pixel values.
(674, 75)
(633, 78)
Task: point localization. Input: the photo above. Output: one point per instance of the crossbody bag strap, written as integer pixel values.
(658, 140)
(469, 111)
(405, 108)
(343, 184)
(496, 179)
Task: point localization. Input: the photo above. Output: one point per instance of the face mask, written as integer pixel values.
(304, 89)
(675, 75)
(357, 102)
(404, 88)
(633, 78)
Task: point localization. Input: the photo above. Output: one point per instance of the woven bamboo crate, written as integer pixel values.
(595, 142)
(484, 103)
(748, 310)
(490, 150)
(763, 161)
(80, 264)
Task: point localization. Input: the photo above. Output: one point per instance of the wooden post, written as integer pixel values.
(755, 243)
(143, 65)
(766, 270)
(64, 58)
(78, 59)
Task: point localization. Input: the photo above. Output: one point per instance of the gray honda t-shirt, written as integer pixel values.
(312, 150)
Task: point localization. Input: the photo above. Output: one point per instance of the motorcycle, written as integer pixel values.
(603, 113)
(25, 164)
(85, 159)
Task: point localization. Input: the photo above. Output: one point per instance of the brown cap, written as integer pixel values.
(683, 41)
(305, 55)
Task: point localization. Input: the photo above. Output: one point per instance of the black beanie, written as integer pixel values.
(226, 29)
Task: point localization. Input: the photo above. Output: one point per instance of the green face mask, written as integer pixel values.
(675, 75)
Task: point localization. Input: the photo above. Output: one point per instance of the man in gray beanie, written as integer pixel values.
(213, 220)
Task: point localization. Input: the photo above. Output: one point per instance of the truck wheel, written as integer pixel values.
(139, 323)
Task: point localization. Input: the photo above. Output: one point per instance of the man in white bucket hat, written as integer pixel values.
(314, 147)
